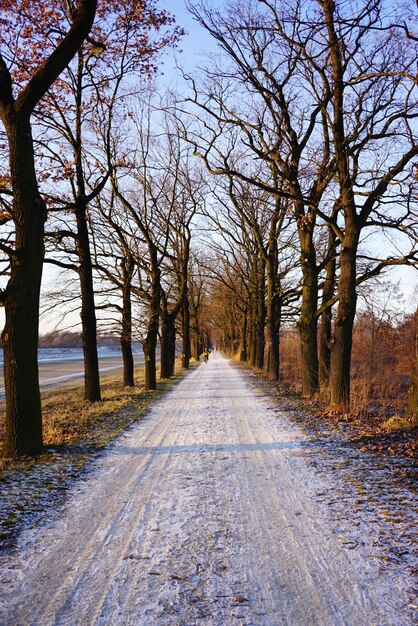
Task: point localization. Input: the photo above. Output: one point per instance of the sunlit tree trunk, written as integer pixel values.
(308, 322)
(325, 328)
(344, 321)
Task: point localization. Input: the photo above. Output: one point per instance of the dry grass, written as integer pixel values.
(69, 419)
(396, 423)
(67, 416)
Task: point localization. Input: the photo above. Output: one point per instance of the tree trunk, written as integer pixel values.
(253, 332)
(150, 341)
(412, 406)
(273, 322)
(172, 346)
(343, 325)
(186, 334)
(126, 336)
(21, 297)
(273, 340)
(243, 356)
(149, 346)
(21, 300)
(196, 345)
(196, 338)
(88, 311)
(261, 317)
(325, 329)
(168, 344)
(308, 322)
(128, 362)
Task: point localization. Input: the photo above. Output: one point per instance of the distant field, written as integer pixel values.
(62, 372)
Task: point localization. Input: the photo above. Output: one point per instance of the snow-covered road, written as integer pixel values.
(204, 513)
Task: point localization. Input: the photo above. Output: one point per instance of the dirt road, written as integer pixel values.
(204, 513)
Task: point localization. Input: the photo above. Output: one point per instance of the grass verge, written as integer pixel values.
(75, 433)
(394, 436)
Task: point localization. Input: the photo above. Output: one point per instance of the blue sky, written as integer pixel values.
(196, 43)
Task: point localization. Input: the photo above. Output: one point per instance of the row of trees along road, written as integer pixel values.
(61, 78)
(314, 104)
(294, 145)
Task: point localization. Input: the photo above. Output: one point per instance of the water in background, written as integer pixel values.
(52, 355)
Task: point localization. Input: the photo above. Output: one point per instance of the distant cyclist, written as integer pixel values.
(206, 356)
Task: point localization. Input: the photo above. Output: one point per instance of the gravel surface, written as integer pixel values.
(210, 512)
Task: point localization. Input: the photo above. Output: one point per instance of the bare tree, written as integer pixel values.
(260, 106)
(325, 93)
(21, 296)
(367, 119)
(127, 44)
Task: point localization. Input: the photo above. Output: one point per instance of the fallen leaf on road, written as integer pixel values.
(347, 539)
(182, 578)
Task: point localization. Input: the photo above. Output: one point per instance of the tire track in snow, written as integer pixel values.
(297, 569)
(109, 503)
(201, 514)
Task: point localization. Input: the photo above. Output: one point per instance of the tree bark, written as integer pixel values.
(126, 336)
(344, 320)
(308, 322)
(325, 329)
(88, 311)
(253, 331)
(343, 326)
(21, 297)
(243, 356)
(412, 406)
(20, 334)
(150, 341)
(196, 344)
(261, 316)
(168, 344)
(186, 333)
(149, 346)
(273, 339)
(273, 321)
